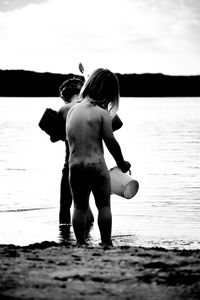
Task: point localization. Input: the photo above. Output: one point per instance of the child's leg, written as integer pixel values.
(80, 190)
(78, 222)
(65, 197)
(66, 200)
(105, 224)
(101, 190)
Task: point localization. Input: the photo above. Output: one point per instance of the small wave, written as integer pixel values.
(24, 209)
(15, 169)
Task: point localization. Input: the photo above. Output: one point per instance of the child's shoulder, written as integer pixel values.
(103, 113)
(65, 108)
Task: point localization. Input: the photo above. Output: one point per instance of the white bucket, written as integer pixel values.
(122, 184)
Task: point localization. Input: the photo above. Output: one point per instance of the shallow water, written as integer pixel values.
(160, 137)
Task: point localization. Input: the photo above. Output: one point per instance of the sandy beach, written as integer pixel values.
(49, 270)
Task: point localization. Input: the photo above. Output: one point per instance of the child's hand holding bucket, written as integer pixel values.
(125, 166)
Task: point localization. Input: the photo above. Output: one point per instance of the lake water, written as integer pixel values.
(160, 137)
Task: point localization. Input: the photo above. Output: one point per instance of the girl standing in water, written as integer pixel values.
(88, 125)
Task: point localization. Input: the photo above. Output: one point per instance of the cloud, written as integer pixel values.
(9, 5)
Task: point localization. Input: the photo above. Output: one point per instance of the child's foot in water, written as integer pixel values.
(82, 245)
(106, 245)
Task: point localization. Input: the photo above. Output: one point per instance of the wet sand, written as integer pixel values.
(49, 270)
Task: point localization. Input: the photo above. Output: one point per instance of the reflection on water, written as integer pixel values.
(160, 137)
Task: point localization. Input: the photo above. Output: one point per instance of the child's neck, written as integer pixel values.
(89, 100)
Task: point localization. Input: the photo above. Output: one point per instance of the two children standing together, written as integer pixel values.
(89, 118)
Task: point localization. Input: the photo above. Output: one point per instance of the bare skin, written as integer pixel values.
(88, 125)
(65, 192)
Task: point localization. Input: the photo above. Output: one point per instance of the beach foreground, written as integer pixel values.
(61, 271)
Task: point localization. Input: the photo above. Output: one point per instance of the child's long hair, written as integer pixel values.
(102, 87)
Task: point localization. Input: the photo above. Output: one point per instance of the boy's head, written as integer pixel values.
(103, 87)
(70, 87)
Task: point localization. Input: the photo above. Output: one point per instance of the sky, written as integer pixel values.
(125, 36)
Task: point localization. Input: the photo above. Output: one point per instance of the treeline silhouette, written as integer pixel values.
(21, 83)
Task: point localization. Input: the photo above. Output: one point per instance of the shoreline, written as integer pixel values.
(51, 270)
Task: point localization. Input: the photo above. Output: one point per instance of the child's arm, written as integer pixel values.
(112, 144)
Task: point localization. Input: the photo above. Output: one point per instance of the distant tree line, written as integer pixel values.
(20, 83)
